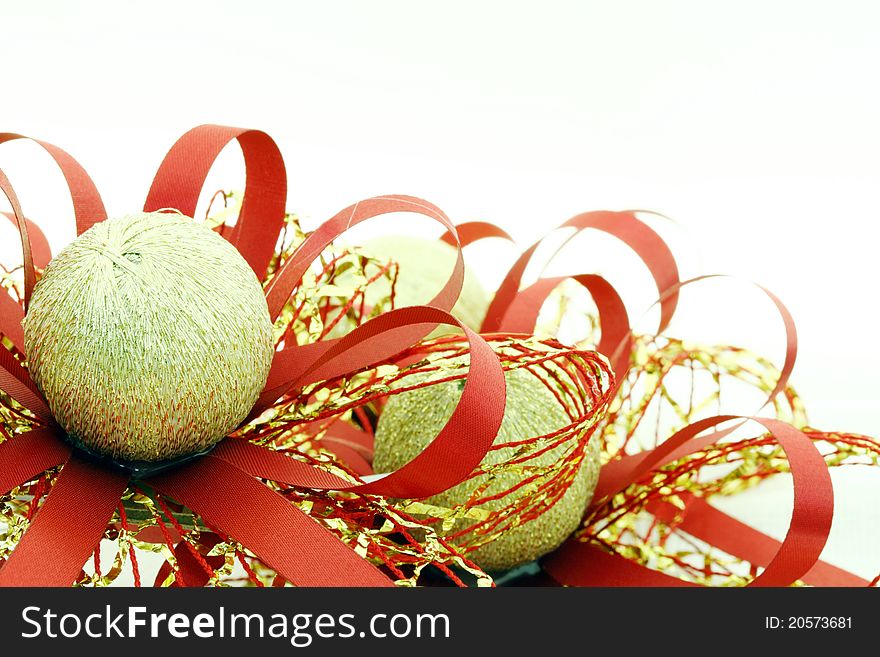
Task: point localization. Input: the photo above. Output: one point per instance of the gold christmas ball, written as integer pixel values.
(425, 265)
(410, 420)
(150, 338)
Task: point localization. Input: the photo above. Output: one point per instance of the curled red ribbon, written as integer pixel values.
(810, 519)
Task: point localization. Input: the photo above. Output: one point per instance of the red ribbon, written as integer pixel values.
(616, 338)
(281, 535)
(625, 226)
(810, 519)
(707, 523)
(30, 275)
(88, 208)
(16, 382)
(67, 527)
(293, 363)
(40, 249)
(30, 455)
(183, 172)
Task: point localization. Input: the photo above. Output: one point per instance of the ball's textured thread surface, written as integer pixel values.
(424, 265)
(149, 336)
(410, 420)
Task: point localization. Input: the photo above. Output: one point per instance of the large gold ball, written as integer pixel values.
(410, 420)
(150, 337)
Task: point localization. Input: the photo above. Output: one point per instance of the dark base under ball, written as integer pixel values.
(134, 469)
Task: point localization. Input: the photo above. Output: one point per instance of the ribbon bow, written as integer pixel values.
(75, 514)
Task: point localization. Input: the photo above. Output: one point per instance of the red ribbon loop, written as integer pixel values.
(41, 252)
(459, 447)
(294, 364)
(181, 176)
(88, 207)
(810, 519)
(637, 235)
(616, 336)
(707, 523)
(791, 341)
(474, 231)
(30, 274)
(289, 276)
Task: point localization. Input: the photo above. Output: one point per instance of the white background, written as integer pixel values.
(754, 125)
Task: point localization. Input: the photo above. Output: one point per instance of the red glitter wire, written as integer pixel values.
(180, 530)
(123, 519)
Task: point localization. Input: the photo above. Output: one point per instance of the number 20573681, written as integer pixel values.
(808, 622)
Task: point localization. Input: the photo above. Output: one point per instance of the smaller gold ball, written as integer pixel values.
(150, 337)
(410, 420)
(425, 265)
